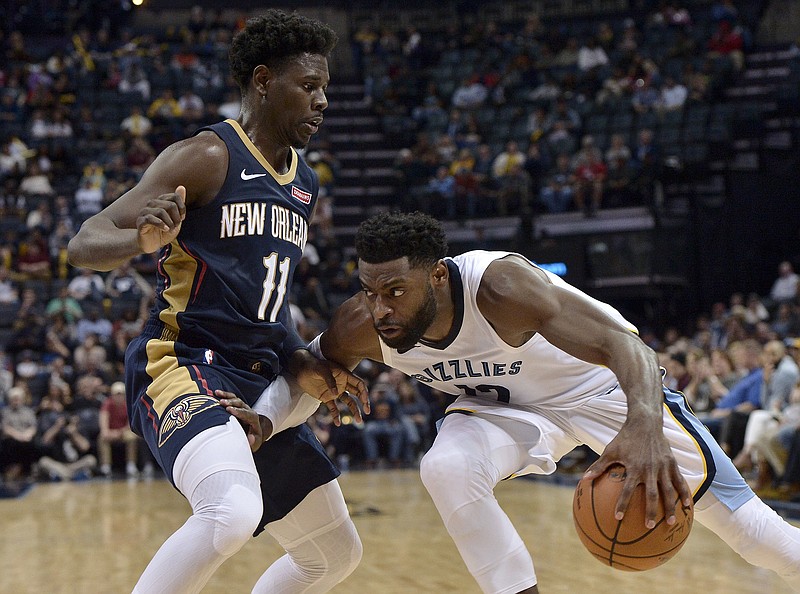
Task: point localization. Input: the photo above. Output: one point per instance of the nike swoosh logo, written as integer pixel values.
(246, 176)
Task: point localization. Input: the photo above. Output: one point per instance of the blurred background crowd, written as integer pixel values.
(475, 119)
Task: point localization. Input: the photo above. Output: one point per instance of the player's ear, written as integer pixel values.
(261, 77)
(440, 273)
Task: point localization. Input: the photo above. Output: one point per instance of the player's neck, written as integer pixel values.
(443, 322)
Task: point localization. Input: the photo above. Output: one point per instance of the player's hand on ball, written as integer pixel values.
(258, 428)
(648, 460)
(160, 221)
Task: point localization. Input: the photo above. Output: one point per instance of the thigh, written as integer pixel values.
(324, 507)
(505, 443)
(291, 465)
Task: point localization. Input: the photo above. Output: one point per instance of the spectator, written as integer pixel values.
(134, 80)
(590, 178)
(93, 323)
(229, 109)
(191, 106)
(441, 188)
(9, 290)
(786, 321)
(59, 338)
(727, 42)
(136, 124)
(645, 96)
(86, 286)
(17, 432)
(673, 95)
(88, 200)
(33, 261)
(323, 170)
(41, 218)
(66, 452)
(729, 418)
(772, 449)
(514, 191)
(781, 375)
(64, 305)
(89, 395)
(35, 182)
(591, 56)
(785, 287)
(125, 283)
(164, 108)
(558, 194)
(383, 423)
(114, 429)
(138, 157)
(415, 416)
(647, 161)
(470, 94)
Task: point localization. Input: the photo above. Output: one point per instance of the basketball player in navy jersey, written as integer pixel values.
(538, 368)
(229, 210)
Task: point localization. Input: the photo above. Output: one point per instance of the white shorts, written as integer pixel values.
(596, 422)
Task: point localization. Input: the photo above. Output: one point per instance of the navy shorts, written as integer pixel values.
(170, 389)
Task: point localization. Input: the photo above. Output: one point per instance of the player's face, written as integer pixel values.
(400, 299)
(296, 97)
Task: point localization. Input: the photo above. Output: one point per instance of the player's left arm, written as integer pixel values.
(519, 300)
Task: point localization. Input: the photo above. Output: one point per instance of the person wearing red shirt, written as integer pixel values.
(590, 176)
(114, 428)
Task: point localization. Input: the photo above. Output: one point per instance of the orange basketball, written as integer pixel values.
(625, 544)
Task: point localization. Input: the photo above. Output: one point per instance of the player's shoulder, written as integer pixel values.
(204, 145)
(511, 279)
(354, 314)
(203, 153)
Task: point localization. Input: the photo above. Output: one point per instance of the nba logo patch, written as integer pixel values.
(304, 197)
(209, 356)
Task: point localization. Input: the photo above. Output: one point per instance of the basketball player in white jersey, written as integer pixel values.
(539, 368)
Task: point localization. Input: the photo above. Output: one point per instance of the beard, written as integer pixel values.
(415, 328)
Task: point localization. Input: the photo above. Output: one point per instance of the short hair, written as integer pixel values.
(273, 39)
(393, 235)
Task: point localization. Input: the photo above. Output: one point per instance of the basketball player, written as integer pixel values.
(229, 210)
(539, 368)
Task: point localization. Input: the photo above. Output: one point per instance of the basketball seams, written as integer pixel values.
(615, 544)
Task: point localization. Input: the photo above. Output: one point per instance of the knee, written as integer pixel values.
(453, 474)
(328, 569)
(236, 519)
(353, 549)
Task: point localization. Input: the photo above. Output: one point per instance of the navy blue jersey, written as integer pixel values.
(221, 326)
(259, 220)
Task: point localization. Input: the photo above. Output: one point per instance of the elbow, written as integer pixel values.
(73, 253)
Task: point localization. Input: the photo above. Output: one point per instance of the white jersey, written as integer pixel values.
(474, 363)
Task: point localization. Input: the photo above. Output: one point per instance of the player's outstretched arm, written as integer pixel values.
(520, 300)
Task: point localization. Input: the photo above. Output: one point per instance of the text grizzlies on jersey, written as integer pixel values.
(446, 371)
(247, 218)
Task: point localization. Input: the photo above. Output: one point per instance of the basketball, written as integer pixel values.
(625, 544)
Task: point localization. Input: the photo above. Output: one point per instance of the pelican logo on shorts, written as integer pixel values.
(179, 415)
(304, 197)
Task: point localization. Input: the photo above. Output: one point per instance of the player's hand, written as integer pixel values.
(648, 460)
(160, 221)
(258, 428)
(327, 381)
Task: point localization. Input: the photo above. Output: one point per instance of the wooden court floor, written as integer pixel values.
(95, 538)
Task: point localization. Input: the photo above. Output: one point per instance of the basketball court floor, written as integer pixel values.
(95, 537)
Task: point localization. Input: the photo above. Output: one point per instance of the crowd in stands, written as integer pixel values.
(545, 118)
(81, 124)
